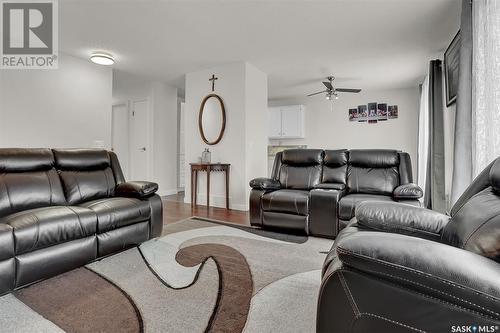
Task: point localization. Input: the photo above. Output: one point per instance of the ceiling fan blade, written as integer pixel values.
(328, 85)
(319, 92)
(347, 90)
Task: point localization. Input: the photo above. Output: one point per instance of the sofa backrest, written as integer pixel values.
(28, 180)
(373, 171)
(300, 168)
(475, 221)
(370, 171)
(87, 174)
(335, 166)
(405, 170)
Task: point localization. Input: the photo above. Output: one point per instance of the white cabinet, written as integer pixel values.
(274, 122)
(286, 122)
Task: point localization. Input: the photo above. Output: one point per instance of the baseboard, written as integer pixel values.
(163, 193)
(243, 208)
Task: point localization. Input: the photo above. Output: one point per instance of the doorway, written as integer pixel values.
(131, 138)
(120, 136)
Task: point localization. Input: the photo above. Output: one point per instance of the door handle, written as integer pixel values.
(142, 149)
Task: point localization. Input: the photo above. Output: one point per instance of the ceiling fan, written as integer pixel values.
(332, 92)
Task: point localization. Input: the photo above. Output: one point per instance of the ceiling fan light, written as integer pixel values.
(102, 58)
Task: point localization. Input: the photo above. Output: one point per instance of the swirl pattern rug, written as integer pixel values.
(200, 276)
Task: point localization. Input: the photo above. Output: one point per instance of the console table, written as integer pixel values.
(208, 168)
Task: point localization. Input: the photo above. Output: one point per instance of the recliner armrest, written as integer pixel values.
(265, 184)
(323, 217)
(401, 218)
(445, 272)
(330, 186)
(408, 191)
(136, 189)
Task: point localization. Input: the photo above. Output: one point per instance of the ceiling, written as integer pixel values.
(368, 44)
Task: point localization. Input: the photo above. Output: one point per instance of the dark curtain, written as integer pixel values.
(462, 155)
(434, 196)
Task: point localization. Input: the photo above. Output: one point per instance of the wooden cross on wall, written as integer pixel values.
(213, 81)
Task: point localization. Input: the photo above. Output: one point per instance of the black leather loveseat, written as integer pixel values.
(398, 268)
(316, 191)
(60, 209)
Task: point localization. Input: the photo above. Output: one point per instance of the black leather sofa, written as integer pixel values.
(316, 191)
(398, 268)
(60, 209)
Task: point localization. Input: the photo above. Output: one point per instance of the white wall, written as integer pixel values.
(331, 129)
(165, 164)
(162, 129)
(256, 134)
(67, 107)
(243, 89)
(127, 87)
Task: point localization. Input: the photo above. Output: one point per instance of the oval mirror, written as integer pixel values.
(212, 119)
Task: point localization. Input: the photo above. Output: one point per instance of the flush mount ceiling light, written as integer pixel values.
(102, 58)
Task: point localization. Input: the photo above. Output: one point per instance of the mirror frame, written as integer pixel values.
(200, 118)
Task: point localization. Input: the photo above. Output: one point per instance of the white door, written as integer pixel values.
(120, 136)
(274, 122)
(291, 121)
(139, 140)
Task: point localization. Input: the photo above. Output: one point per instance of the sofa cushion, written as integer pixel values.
(32, 189)
(301, 168)
(28, 180)
(373, 171)
(6, 242)
(494, 175)
(80, 186)
(42, 227)
(372, 180)
(300, 177)
(117, 212)
(81, 159)
(286, 201)
(475, 226)
(334, 166)
(348, 203)
(24, 159)
(86, 174)
(302, 157)
(373, 158)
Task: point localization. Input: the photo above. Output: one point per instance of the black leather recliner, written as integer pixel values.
(398, 268)
(60, 209)
(316, 191)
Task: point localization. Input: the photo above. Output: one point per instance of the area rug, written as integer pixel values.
(200, 276)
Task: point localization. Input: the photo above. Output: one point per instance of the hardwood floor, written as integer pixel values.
(174, 209)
